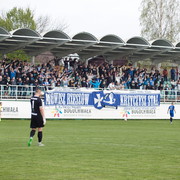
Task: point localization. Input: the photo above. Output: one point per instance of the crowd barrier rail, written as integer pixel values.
(24, 92)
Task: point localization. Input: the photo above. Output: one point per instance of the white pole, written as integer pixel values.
(33, 59)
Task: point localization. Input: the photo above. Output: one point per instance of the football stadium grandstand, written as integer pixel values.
(18, 79)
(105, 121)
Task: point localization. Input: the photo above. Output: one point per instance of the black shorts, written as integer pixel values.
(36, 122)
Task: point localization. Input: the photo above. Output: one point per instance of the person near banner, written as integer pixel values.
(95, 83)
(37, 117)
(171, 111)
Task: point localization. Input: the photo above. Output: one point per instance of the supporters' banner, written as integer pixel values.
(101, 99)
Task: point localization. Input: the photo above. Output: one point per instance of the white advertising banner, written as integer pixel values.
(22, 110)
(15, 109)
(60, 112)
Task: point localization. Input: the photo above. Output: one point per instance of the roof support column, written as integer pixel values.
(178, 69)
(157, 64)
(4, 56)
(33, 59)
(135, 64)
(153, 63)
(178, 73)
(86, 62)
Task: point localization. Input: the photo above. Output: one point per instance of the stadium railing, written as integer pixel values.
(24, 92)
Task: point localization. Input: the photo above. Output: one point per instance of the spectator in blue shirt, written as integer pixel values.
(12, 73)
(173, 74)
(95, 83)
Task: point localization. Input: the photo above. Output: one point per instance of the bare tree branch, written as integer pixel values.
(160, 19)
(46, 23)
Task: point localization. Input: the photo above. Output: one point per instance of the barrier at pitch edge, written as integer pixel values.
(20, 109)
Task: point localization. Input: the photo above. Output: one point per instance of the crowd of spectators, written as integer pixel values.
(74, 73)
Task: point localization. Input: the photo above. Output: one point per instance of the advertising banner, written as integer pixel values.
(94, 105)
(15, 109)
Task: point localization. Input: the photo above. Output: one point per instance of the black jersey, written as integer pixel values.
(36, 103)
(36, 117)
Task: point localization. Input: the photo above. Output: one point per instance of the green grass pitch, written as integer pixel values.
(91, 150)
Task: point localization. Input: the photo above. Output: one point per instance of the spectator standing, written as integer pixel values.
(111, 86)
(12, 73)
(165, 74)
(13, 86)
(95, 83)
(173, 74)
(84, 82)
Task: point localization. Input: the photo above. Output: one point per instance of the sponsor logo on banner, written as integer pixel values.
(125, 113)
(77, 111)
(131, 112)
(65, 111)
(10, 109)
(57, 111)
(144, 111)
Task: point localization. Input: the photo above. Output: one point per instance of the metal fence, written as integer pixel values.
(24, 92)
(18, 91)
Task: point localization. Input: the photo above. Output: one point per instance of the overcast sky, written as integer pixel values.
(99, 17)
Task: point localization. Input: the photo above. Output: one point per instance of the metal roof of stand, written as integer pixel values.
(78, 42)
(87, 45)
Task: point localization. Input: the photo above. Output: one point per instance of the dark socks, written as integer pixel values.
(39, 136)
(32, 133)
(171, 120)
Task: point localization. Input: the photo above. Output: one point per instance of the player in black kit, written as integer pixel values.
(37, 117)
